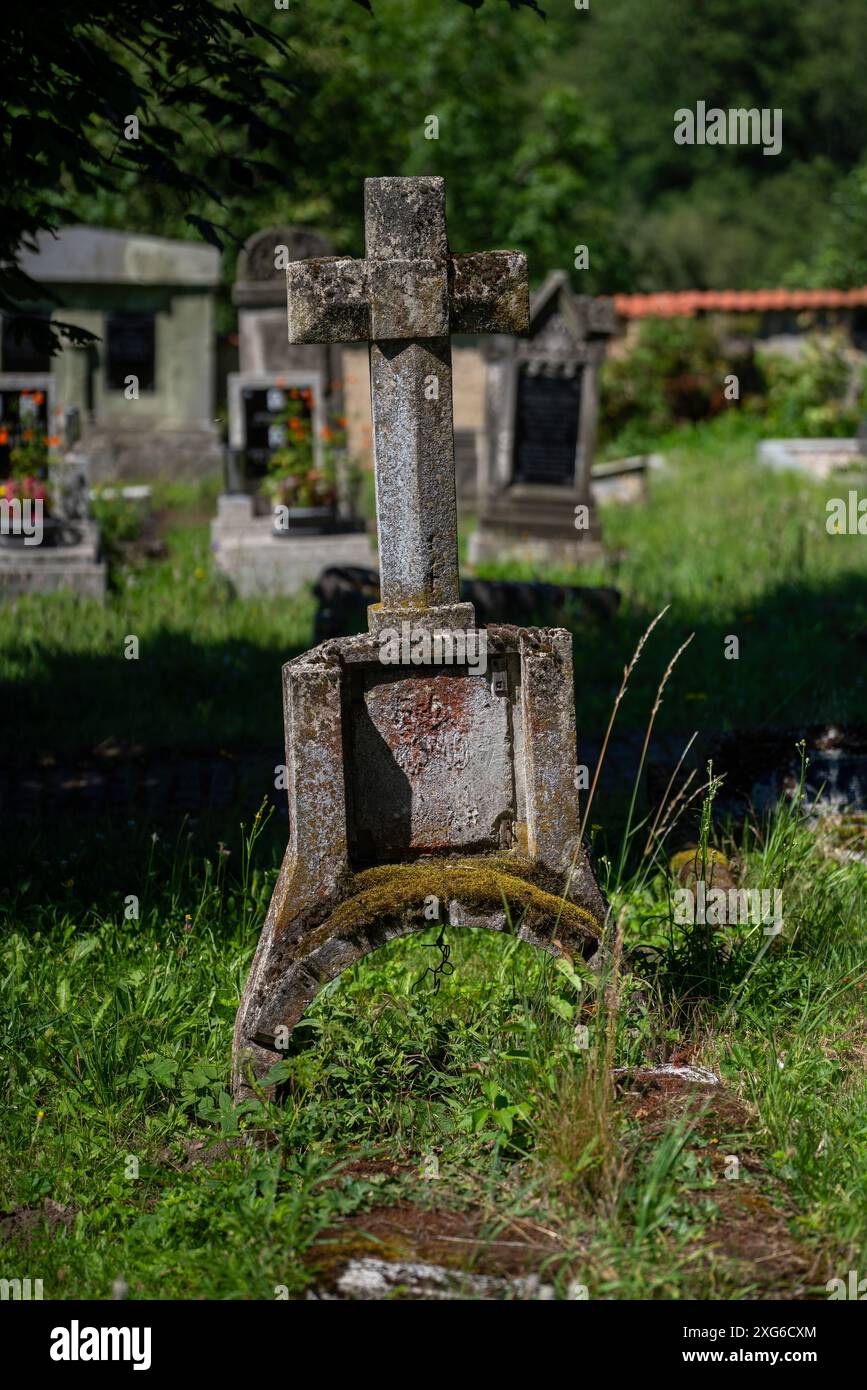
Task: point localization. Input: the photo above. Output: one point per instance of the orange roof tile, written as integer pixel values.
(673, 304)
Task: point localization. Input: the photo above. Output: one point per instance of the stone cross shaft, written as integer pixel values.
(405, 298)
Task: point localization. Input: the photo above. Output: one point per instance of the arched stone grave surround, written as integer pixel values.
(408, 780)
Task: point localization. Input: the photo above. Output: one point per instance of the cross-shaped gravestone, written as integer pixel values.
(405, 298)
(420, 790)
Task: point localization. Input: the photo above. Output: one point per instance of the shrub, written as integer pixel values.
(674, 375)
(815, 394)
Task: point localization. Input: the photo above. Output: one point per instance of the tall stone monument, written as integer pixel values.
(259, 293)
(534, 492)
(257, 556)
(416, 785)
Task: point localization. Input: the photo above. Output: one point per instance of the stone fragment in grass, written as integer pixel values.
(699, 1076)
(372, 1279)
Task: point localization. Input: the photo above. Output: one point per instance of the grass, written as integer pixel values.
(460, 1085)
(733, 549)
(208, 670)
(117, 1037)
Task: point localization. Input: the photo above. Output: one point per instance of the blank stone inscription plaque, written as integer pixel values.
(431, 764)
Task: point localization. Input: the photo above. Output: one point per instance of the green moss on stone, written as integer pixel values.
(389, 889)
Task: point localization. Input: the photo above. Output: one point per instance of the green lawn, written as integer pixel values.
(734, 550)
(117, 1027)
(117, 1036)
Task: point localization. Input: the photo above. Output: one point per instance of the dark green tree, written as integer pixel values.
(225, 100)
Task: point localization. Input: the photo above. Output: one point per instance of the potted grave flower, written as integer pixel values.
(26, 467)
(301, 485)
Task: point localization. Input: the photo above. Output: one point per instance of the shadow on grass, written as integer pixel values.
(801, 662)
(802, 659)
(179, 693)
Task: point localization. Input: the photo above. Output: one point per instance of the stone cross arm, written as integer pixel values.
(339, 299)
(409, 285)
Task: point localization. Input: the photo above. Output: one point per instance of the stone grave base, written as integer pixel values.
(490, 544)
(535, 525)
(624, 480)
(818, 458)
(45, 569)
(115, 450)
(419, 796)
(256, 561)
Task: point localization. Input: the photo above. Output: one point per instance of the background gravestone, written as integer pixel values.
(542, 408)
(257, 401)
(259, 293)
(68, 556)
(243, 541)
(27, 402)
(150, 302)
(266, 359)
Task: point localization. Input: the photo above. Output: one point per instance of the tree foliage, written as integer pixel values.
(74, 74)
(552, 131)
(236, 106)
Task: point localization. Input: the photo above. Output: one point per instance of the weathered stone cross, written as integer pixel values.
(416, 785)
(405, 298)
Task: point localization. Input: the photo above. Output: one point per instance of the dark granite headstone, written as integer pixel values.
(22, 410)
(546, 428)
(130, 350)
(534, 475)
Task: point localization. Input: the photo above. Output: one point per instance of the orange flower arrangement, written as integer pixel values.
(294, 479)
